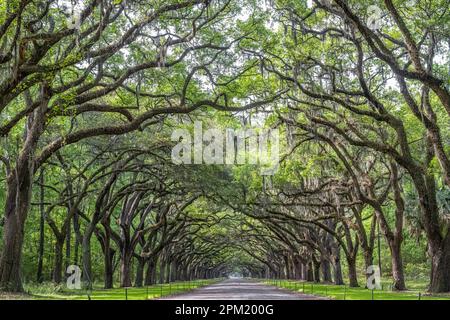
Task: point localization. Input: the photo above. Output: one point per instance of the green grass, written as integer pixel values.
(346, 293)
(145, 293)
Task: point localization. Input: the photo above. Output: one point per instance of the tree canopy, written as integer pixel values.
(92, 92)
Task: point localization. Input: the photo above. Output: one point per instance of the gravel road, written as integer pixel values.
(241, 289)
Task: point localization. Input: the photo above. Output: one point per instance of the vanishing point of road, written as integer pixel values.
(241, 289)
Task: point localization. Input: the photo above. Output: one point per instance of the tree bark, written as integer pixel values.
(310, 272)
(125, 270)
(161, 269)
(337, 268)
(10, 280)
(150, 274)
(326, 271)
(397, 267)
(139, 281)
(440, 265)
(39, 274)
(168, 271)
(304, 272)
(109, 268)
(68, 244)
(174, 271)
(316, 265)
(352, 274)
(86, 257)
(58, 264)
(19, 187)
(439, 246)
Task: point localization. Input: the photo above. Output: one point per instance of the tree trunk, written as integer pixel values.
(150, 274)
(12, 242)
(316, 265)
(173, 272)
(192, 274)
(39, 274)
(326, 271)
(125, 270)
(368, 260)
(109, 272)
(309, 272)
(168, 271)
(337, 268)
(440, 266)
(287, 266)
(16, 210)
(397, 266)
(185, 273)
(68, 244)
(87, 259)
(139, 281)
(439, 246)
(58, 264)
(298, 269)
(161, 269)
(352, 274)
(19, 186)
(304, 272)
(78, 237)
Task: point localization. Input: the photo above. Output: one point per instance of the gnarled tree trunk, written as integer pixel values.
(440, 265)
(58, 263)
(139, 281)
(125, 270)
(18, 198)
(352, 274)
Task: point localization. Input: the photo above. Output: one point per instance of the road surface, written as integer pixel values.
(240, 289)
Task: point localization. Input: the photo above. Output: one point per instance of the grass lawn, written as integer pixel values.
(346, 293)
(145, 293)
